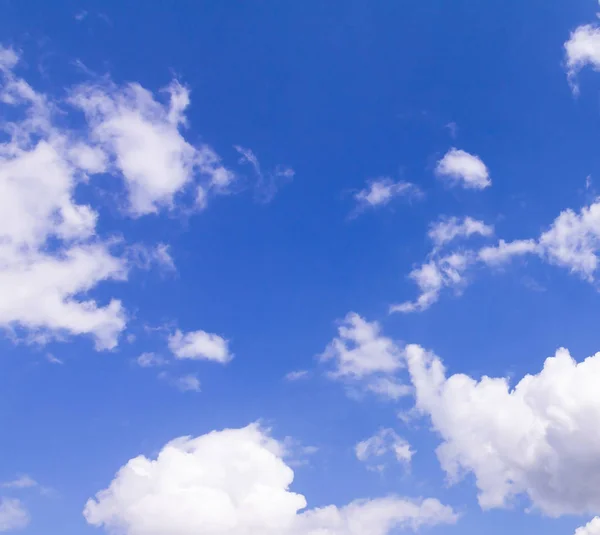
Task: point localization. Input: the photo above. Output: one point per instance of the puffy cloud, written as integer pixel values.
(447, 230)
(383, 442)
(13, 515)
(200, 345)
(537, 439)
(381, 191)
(389, 388)
(183, 383)
(591, 528)
(267, 183)
(432, 277)
(235, 482)
(458, 167)
(573, 240)
(49, 253)
(504, 252)
(360, 350)
(582, 49)
(144, 140)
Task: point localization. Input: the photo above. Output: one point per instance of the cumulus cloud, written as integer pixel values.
(235, 482)
(13, 515)
(267, 183)
(537, 438)
(433, 276)
(297, 375)
(591, 528)
(582, 49)
(460, 168)
(360, 350)
(448, 229)
(49, 253)
(22, 482)
(200, 345)
(143, 138)
(381, 191)
(384, 442)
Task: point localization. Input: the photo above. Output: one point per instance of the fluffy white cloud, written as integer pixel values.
(267, 183)
(447, 230)
(144, 140)
(200, 345)
(389, 388)
(591, 528)
(381, 191)
(383, 442)
(235, 482)
(573, 240)
(539, 438)
(505, 251)
(458, 167)
(432, 277)
(360, 350)
(13, 515)
(49, 253)
(582, 49)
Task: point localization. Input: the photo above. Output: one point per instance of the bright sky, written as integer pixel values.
(299, 268)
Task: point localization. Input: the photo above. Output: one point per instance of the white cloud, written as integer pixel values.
(13, 515)
(504, 252)
(385, 441)
(150, 360)
(297, 375)
(267, 183)
(183, 383)
(389, 388)
(537, 439)
(432, 277)
(49, 253)
(235, 482)
(582, 49)
(458, 167)
(448, 229)
(22, 482)
(591, 528)
(381, 191)
(145, 143)
(360, 350)
(573, 240)
(200, 345)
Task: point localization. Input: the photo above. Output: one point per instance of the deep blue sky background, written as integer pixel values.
(342, 91)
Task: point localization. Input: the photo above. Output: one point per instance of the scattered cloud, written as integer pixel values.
(389, 388)
(267, 183)
(143, 139)
(297, 375)
(582, 49)
(13, 515)
(504, 252)
(236, 482)
(361, 350)
(536, 439)
(150, 360)
(53, 359)
(381, 191)
(184, 383)
(200, 345)
(22, 482)
(459, 168)
(431, 277)
(591, 528)
(384, 442)
(448, 229)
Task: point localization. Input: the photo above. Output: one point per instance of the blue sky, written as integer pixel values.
(279, 219)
